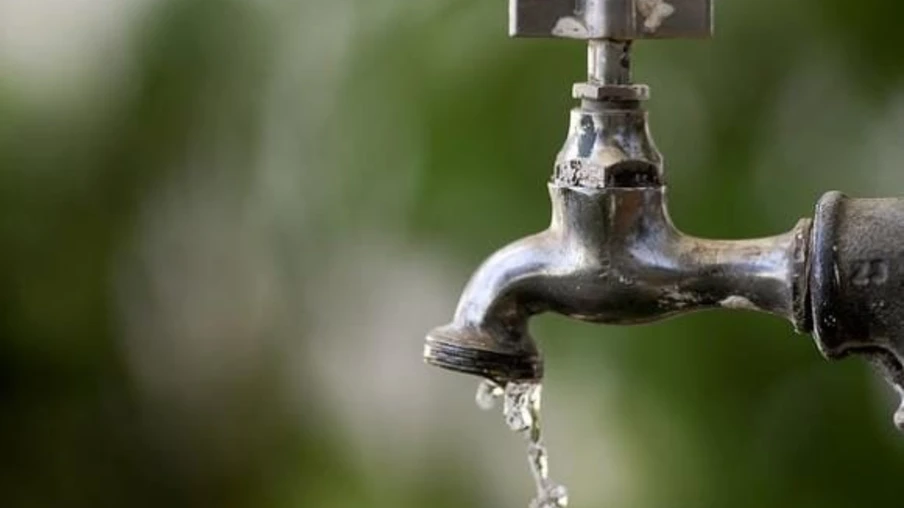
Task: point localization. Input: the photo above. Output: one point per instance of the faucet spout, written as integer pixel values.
(489, 335)
(611, 256)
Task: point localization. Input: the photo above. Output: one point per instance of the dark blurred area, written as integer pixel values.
(226, 226)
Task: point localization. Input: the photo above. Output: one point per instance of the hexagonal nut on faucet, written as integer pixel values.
(611, 19)
(603, 92)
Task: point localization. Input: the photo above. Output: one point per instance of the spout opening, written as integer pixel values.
(457, 350)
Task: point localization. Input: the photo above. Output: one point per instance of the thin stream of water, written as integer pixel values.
(521, 410)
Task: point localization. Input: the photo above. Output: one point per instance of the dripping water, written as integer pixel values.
(521, 410)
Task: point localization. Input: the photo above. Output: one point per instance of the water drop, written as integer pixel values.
(519, 405)
(899, 415)
(487, 394)
(555, 497)
(521, 411)
(559, 496)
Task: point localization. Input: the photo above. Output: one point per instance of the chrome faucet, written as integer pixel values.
(612, 255)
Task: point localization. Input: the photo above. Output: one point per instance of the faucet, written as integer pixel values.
(612, 255)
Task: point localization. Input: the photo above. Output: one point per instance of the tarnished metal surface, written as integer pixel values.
(609, 62)
(856, 282)
(608, 145)
(611, 19)
(611, 254)
(609, 73)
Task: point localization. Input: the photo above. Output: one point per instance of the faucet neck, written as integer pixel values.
(609, 219)
(609, 62)
(609, 146)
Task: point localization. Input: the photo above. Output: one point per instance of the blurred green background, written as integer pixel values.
(226, 226)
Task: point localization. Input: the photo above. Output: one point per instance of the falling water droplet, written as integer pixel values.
(488, 393)
(521, 410)
(899, 415)
(521, 402)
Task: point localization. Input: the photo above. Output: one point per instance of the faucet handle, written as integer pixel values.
(611, 19)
